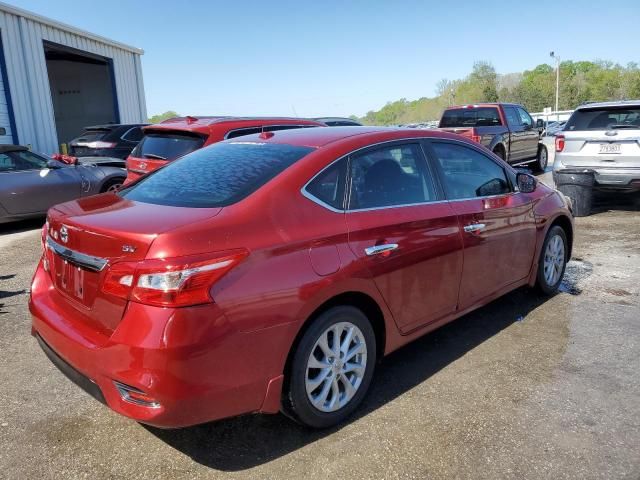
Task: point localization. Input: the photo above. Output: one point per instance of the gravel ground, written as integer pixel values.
(526, 387)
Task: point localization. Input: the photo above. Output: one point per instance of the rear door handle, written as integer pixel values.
(378, 249)
(474, 227)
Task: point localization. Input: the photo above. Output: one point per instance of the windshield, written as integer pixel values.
(604, 118)
(216, 176)
(167, 146)
(470, 117)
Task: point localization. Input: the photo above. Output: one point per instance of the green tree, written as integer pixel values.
(163, 116)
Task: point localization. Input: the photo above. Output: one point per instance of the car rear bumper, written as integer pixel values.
(190, 361)
(625, 178)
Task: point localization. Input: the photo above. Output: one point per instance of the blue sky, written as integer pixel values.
(338, 57)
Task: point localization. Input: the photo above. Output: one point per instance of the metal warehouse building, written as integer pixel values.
(56, 79)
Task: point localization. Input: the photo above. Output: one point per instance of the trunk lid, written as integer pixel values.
(602, 148)
(87, 236)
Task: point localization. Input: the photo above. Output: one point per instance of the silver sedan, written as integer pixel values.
(31, 183)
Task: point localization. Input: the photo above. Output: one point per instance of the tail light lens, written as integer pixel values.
(99, 144)
(170, 282)
(559, 143)
(474, 136)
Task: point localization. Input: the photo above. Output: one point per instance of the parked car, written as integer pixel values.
(338, 122)
(30, 183)
(504, 128)
(110, 140)
(246, 276)
(599, 148)
(173, 138)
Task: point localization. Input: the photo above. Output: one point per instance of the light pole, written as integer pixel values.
(557, 59)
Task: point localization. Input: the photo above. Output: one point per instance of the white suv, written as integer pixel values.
(603, 138)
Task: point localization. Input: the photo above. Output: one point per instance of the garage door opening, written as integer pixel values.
(82, 90)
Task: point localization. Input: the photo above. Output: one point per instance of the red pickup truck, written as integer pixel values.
(506, 129)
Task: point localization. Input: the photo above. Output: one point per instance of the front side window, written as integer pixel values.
(525, 118)
(389, 176)
(21, 160)
(329, 185)
(133, 135)
(216, 176)
(468, 173)
(513, 119)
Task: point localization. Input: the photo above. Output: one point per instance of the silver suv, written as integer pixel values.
(603, 138)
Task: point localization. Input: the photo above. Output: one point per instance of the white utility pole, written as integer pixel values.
(557, 59)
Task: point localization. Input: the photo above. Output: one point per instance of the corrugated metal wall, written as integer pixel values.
(22, 39)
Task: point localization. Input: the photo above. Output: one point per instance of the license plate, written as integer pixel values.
(609, 148)
(70, 279)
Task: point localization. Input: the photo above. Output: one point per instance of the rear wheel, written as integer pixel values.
(112, 185)
(499, 151)
(541, 160)
(331, 369)
(553, 260)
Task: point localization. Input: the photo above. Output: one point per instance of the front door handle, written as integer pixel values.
(378, 249)
(474, 227)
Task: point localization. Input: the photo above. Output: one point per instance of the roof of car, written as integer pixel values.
(111, 126)
(318, 137)
(485, 104)
(618, 103)
(204, 124)
(12, 148)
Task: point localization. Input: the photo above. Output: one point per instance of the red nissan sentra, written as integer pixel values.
(271, 273)
(175, 137)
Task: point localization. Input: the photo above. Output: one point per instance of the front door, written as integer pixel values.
(497, 222)
(404, 234)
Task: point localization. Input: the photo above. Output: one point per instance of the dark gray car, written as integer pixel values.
(31, 183)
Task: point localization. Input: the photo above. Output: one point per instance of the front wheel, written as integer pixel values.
(553, 260)
(542, 160)
(331, 369)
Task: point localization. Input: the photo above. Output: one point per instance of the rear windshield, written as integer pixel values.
(91, 136)
(167, 146)
(470, 117)
(216, 176)
(604, 118)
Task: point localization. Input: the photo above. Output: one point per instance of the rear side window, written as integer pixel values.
(468, 173)
(167, 146)
(604, 118)
(470, 117)
(133, 135)
(329, 185)
(216, 176)
(389, 176)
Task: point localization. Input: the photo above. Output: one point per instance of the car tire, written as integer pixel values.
(316, 392)
(542, 159)
(112, 185)
(553, 260)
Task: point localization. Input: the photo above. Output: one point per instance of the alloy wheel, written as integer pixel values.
(336, 367)
(554, 259)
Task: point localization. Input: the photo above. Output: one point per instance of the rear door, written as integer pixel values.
(517, 133)
(28, 186)
(497, 222)
(403, 233)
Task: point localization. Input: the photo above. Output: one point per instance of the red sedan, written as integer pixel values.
(277, 276)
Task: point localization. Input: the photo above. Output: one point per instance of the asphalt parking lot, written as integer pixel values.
(526, 387)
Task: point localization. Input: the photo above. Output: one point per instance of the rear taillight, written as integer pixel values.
(559, 143)
(170, 282)
(99, 144)
(474, 136)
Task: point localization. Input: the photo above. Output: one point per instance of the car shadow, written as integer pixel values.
(22, 225)
(619, 201)
(245, 442)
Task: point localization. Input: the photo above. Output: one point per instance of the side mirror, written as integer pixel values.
(539, 123)
(53, 164)
(526, 183)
